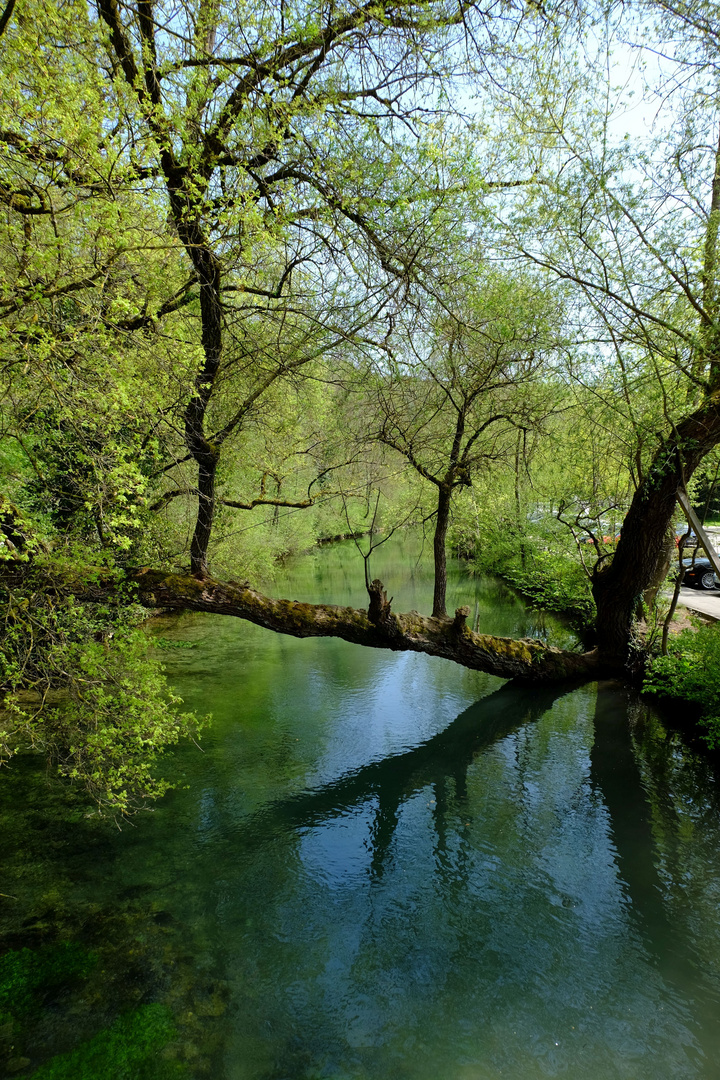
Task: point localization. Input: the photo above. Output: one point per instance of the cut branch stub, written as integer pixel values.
(461, 615)
(379, 610)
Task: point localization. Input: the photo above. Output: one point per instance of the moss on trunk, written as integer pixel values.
(379, 627)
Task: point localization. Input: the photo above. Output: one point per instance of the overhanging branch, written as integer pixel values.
(380, 628)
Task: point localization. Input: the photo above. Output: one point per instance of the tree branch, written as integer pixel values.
(6, 16)
(12, 306)
(524, 658)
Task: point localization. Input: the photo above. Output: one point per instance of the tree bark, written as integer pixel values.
(205, 454)
(641, 550)
(526, 659)
(207, 467)
(439, 553)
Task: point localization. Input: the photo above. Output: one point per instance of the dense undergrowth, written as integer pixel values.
(541, 567)
(691, 672)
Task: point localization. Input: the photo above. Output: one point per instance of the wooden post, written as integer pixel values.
(694, 523)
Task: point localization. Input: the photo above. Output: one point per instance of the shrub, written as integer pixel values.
(538, 561)
(100, 708)
(691, 671)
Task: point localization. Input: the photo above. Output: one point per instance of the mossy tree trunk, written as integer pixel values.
(642, 550)
(379, 627)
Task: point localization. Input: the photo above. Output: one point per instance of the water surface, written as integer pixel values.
(386, 866)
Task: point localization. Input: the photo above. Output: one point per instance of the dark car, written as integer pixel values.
(700, 574)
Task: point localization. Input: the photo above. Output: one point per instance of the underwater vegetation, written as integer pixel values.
(27, 974)
(127, 1050)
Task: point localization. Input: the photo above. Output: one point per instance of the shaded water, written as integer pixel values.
(385, 866)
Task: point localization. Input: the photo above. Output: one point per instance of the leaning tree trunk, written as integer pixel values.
(525, 659)
(441, 527)
(641, 550)
(378, 627)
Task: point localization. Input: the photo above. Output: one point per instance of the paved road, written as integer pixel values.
(707, 603)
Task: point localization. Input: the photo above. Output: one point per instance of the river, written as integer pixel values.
(382, 867)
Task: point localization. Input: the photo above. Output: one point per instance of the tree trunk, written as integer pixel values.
(203, 451)
(520, 517)
(207, 467)
(642, 549)
(661, 572)
(525, 659)
(441, 527)
(187, 187)
(379, 627)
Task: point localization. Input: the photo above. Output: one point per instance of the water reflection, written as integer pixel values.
(486, 903)
(652, 784)
(440, 763)
(616, 775)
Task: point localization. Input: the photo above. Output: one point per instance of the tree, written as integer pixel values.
(210, 212)
(200, 210)
(452, 395)
(260, 132)
(634, 233)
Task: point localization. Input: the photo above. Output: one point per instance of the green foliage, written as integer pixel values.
(26, 973)
(92, 474)
(99, 706)
(529, 548)
(691, 671)
(542, 568)
(125, 1051)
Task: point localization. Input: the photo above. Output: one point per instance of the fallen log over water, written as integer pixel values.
(379, 627)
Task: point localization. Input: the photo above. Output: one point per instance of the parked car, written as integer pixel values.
(700, 574)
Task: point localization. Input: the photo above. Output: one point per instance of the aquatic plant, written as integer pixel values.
(26, 973)
(127, 1050)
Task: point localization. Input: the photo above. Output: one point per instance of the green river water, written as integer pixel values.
(382, 867)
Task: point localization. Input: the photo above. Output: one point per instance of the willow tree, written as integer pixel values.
(271, 148)
(272, 155)
(630, 225)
